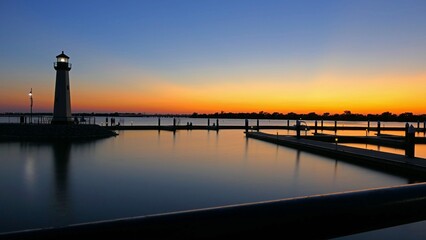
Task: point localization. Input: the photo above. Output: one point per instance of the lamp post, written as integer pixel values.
(31, 105)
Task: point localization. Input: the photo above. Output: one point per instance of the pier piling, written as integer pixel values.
(409, 142)
(316, 126)
(335, 126)
(298, 129)
(378, 127)
(424, 126)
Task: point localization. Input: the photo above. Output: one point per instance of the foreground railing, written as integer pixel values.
(320, 216)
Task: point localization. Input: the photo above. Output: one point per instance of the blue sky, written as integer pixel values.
(202, 42)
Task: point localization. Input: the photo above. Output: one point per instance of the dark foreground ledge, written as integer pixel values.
(48, 131)
(313, 217)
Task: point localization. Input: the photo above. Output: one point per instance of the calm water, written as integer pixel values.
(146, 172)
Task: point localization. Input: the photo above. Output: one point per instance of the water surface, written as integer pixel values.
(147, 172)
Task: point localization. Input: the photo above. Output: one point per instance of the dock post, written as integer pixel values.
(208, 122)
(424, 126)
(217, 124)
(418, 125)
(335, 126)
(288, 122)
(246, 125)
(174, 124)
(368, 125)
(159, 122)
(378, 128)
(322, 124)
(316, 125)
(258, 125)
(297, 129)
(409, 142)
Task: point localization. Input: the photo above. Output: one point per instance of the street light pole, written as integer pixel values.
(31, 105)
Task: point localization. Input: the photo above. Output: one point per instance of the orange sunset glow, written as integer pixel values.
(325, 93)
(315, 62)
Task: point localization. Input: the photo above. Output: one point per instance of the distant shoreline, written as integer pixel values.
(347, 116)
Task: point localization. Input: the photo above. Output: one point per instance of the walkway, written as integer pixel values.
(356, 155)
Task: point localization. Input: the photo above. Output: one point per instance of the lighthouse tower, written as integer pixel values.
(62, 106)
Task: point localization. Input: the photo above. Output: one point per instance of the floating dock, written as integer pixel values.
(388, 161)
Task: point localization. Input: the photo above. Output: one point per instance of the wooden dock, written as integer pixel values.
(383, 160)
(229, 127)
(393, 142)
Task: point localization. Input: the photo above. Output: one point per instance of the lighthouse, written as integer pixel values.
(62, 105)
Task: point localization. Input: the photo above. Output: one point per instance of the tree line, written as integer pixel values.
(346, 116)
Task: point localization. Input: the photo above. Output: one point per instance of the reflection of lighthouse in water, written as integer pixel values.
(61, 159)
(62, 105)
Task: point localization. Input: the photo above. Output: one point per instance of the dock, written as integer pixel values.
(309, 217)
(255, 127)
(393, 142)
(383, 160)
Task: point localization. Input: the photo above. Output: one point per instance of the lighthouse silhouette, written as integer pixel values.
(62, 105)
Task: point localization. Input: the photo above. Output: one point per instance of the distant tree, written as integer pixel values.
(387, 116)
(311, 116)
(292, 115)
(277, 115)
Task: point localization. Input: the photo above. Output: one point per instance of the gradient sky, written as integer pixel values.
(217, 55)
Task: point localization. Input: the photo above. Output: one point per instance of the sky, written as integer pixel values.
(182, 56)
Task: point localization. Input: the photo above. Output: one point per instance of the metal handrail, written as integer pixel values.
(312, 217)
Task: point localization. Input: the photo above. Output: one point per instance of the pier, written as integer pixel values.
(258, 127)
(390, 161)
(216, 124)
(311, 217)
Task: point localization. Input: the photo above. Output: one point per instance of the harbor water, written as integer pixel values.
(47, 184)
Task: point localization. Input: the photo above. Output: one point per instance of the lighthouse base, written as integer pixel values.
(62, 121)
(39, 132)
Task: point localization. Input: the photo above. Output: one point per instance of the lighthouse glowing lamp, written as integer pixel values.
(62, 105)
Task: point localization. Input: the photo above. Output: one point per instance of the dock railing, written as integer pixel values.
(312, 217)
